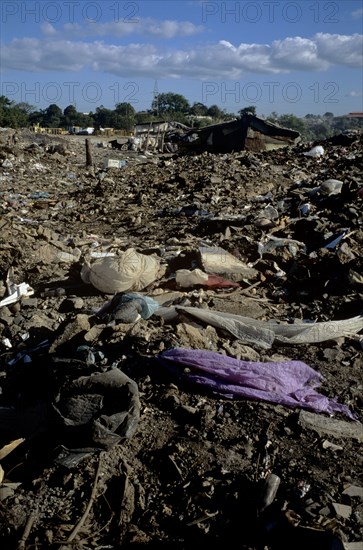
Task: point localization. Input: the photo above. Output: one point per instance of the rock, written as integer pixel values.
(354, 491)
(93, 334)
(75, 329)
(71, 304)
(29, 303)
(196, 337)
(342, 510)
(331, 426)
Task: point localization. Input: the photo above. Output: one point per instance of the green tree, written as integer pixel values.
(293, 122)
(5, 102)
(339, 124)
(26, 107)
(124, 117)
(321, 130)
(170, 103)
(125, 109)
(251, 109)
(5, 109)
(201, 123)
(53, 116)
(37, 117)
(199, 109)
(70, 111)
(273, 117)
(103, 118)
(84, 120)
(215, 112)
(13, 115)
(143, 117)
(70, 116)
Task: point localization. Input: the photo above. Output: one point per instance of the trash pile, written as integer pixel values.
(181, 346)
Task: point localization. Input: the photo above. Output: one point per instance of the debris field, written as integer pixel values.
(181, 346)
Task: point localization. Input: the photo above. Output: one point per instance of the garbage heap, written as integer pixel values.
(181, 346)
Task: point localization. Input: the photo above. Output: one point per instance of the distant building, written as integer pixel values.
(356, 114)
(152, 128)
(85, 131)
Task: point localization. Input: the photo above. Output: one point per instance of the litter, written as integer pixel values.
(270, 242)
(20, 291)
(186, 278)
(336, 240)
(103, 408)
(217, 261)
(128, 307)
(331, 187)
(266, 333)
(189, 279)
(114, 163)
(317, 151)
(128, 271)
(289, 383)
(102, 254)
(269, 491)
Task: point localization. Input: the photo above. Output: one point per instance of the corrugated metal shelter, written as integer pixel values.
(246, 133)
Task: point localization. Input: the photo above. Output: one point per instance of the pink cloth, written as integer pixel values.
(290, 383)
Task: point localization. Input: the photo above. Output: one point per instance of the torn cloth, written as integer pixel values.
(289, 383)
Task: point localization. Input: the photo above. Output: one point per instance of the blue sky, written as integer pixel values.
(286, 56)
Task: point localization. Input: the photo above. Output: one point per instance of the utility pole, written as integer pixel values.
(89, 161)
(156, 97)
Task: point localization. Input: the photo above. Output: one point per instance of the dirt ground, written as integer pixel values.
(196, 467)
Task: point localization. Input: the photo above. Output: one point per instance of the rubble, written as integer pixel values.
(249, 254)
(249, 133)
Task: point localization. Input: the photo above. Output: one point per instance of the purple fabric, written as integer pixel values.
(289, 383)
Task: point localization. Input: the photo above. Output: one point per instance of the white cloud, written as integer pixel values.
(48, 29)
(72, 30)
(297, 54)
(354, 93)
(357, 14)
(339, 49)
(147, 27)
(219, 60)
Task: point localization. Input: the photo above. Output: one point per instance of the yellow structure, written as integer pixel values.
(37, 129)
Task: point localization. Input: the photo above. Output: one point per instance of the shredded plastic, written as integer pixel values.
(290, 383)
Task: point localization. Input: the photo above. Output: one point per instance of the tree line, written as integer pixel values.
(166, 106)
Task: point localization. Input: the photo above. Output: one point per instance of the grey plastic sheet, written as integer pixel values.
(266, 333)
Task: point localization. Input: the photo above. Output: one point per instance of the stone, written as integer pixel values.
(76, 328)
(342, 510)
